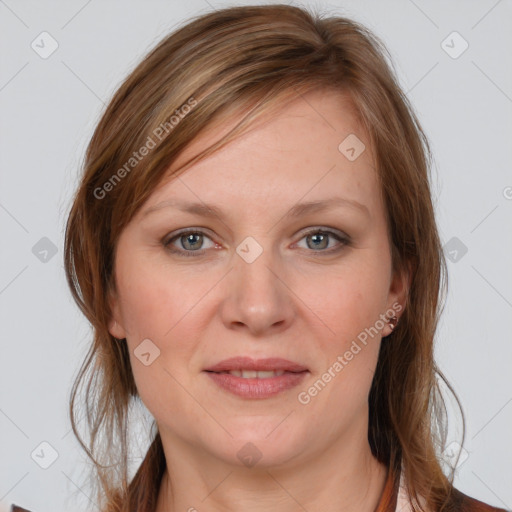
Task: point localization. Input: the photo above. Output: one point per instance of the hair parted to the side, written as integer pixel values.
(250, 60)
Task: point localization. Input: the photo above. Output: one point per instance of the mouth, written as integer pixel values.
(256, 379)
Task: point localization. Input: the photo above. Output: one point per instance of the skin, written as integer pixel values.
(294, 301)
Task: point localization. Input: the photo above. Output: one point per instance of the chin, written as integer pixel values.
(263, 447)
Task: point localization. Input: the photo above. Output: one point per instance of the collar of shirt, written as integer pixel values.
(394, 497)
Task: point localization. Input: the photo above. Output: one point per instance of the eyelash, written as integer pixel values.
(344, 239)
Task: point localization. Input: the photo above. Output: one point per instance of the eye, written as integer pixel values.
(319, 240)
(190, 242)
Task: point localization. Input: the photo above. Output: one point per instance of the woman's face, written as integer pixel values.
(258, 281)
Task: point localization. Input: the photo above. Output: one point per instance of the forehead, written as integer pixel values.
(311, 148)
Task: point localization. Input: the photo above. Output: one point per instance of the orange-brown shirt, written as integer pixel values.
(394, 499)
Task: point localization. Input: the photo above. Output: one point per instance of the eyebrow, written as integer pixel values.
(298, 210)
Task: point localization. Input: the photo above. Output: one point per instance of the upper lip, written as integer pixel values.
(247, 363)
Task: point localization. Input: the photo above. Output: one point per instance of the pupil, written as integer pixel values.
(319, 237)
(190, 239)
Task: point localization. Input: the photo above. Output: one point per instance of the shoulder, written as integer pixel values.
(16, 508)
(466, 503)
(459, 502)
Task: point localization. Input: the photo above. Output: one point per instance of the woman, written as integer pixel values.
(254, 243)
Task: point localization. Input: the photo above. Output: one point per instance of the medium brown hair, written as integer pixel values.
(249, 60)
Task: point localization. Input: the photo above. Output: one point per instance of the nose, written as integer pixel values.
(257, 298)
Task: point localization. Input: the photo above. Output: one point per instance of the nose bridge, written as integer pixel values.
(256, 297)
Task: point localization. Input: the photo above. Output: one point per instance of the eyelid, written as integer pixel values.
(323, 229)
(184, 231)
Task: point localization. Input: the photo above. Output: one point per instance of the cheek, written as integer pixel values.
(156, 307)
(155, 298)
(159, 303)
(349, 305)
(348, 300)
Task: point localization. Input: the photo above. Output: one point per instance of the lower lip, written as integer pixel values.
(257, 388)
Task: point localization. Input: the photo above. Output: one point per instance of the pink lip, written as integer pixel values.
(257, 388)
(246, 363)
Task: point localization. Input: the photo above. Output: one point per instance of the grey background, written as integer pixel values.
(49, 108)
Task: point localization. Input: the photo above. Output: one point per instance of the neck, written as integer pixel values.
(345, 478)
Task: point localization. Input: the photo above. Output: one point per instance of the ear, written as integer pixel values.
(398, 292)
(115, 325)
